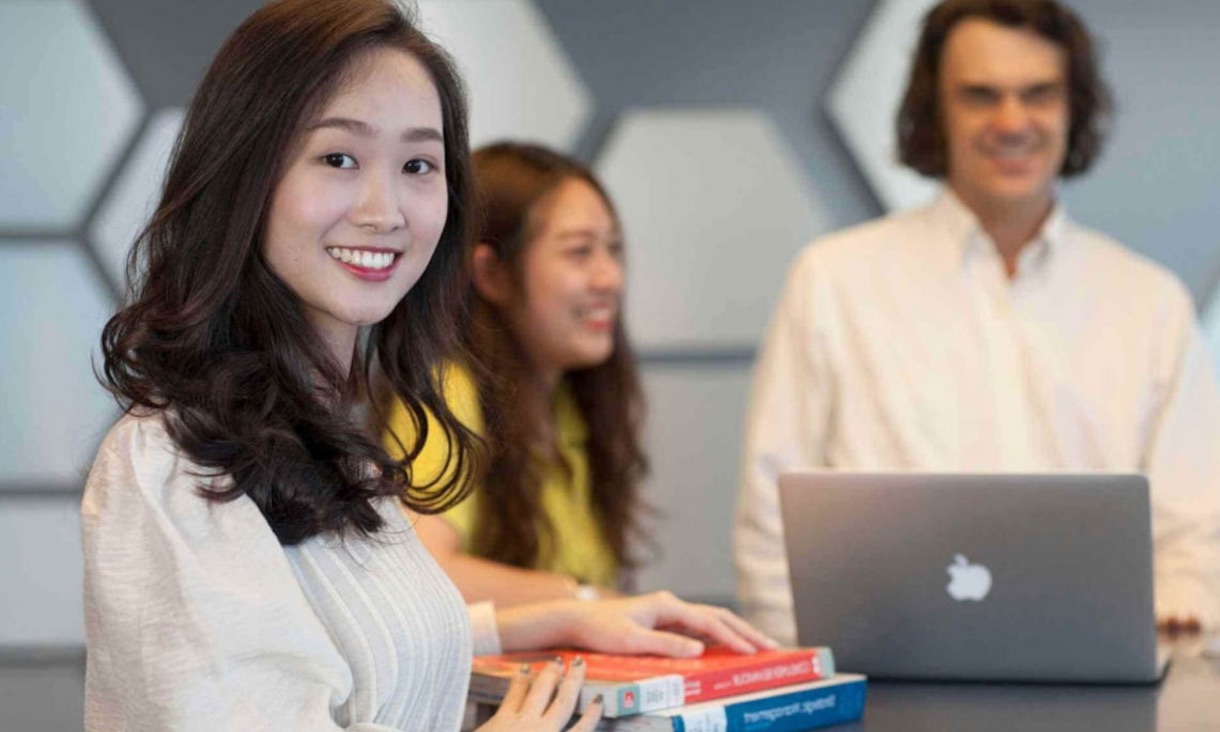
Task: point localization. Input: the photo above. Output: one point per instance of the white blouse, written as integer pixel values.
(196, 618)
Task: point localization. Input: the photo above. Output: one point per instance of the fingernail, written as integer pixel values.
(558, 661)
(597, 699)
(580, 661)
(524, 670)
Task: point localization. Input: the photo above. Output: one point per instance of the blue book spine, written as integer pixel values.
(793, 712)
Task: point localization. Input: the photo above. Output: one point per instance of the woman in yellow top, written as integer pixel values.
(550, 385)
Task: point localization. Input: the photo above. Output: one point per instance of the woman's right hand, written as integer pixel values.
(529, 707)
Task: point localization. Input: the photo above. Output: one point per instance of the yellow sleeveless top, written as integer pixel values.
(575, 546)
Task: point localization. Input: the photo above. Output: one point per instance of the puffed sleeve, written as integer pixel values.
(485, 632)
(193, 617)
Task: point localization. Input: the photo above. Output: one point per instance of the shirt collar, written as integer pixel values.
(968, 237)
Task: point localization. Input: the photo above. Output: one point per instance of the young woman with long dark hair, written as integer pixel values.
(246, 562)
(550, 385)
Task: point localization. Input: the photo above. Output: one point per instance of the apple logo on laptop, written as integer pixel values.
(968, 581)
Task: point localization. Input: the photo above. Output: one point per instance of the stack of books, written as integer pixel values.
(721, 691)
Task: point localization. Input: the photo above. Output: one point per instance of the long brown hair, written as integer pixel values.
(511, 179)
(216, 339)
(921, 138)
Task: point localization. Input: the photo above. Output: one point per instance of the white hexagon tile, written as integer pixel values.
(133, 197)
(714, 209)
(522, 85)
(66, 111)
(697, 415)
(53, 413)
(864, 98)
(41, 550)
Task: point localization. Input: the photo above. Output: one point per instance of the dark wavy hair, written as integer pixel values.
(511, 180)
(213, 337)
(921, 139)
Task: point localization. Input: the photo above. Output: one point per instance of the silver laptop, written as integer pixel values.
(1044, 577)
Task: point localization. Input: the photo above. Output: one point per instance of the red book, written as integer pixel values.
(632, 685)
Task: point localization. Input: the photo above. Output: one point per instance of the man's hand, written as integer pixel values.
(1175, 625)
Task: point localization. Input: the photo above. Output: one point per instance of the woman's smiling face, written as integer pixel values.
(572, 280)
(363, 199)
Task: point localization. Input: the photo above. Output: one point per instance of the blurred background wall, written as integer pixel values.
(729, 134)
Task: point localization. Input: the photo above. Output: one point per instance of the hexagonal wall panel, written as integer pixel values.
(133, 197)
(714, 210)
(167, 45)
(863, 101)
(695, 414)
(67, 108)
(52, 410)
(41, 573)
(521, 83)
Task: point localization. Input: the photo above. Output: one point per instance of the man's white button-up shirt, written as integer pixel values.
(903, 344)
